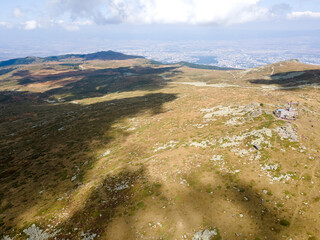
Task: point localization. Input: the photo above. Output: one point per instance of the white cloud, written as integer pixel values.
(307, 14)
(30, 25)
(162, 11)
(7, 25)
(17, 13)
(74, 26)
(71, 28)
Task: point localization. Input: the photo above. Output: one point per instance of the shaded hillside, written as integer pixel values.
(201, 66)
(20, 61)
(5, 71)
(104, 55)
(291, 79)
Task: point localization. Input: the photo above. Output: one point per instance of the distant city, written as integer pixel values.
(227, 54)
(235, 54)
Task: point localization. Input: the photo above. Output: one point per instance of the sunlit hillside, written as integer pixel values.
(128, 148)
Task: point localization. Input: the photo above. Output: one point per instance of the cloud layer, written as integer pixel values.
(75, 14)
(306, 14)
(17, 13)
(162, 11)
(30, 25)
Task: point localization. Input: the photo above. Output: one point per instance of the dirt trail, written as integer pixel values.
(272, 71)
(234, 77)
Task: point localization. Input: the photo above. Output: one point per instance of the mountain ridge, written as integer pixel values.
(204, 66)
(101, 55)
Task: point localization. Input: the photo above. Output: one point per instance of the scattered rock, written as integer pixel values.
(254, 104)
(6, 238)
(205, 235)
(273, 167)
(252, 109)
(217, 158)
(35, 233)
(170, 144)
(61, 129)
(240, 152)
(235, 121)
(287, 132)
(259, 138)
(281, 177)
(256, 113)
(256, 146)
(200, 125)
(202, 144)
(88, 236)
(119, 186)
(106, 153)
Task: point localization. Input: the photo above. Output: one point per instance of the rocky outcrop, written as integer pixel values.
(205, 235)
(287, 132)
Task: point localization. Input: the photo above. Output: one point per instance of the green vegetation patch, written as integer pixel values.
(284, 222)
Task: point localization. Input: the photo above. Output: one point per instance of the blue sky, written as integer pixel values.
(46, 22)
(74, 15)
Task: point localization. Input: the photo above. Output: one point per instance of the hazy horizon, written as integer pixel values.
(240, 30)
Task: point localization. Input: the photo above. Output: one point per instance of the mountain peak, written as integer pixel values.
(102, 55)
(108, 55)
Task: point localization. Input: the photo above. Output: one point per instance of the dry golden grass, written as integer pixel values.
(137, 174)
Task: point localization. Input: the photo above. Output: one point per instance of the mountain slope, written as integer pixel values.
(104, 55)
(202, 66)
(127, 150)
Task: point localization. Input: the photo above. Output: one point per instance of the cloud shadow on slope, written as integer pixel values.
(291, 80)
(78, 84)
(260, 219)
(45, 145)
